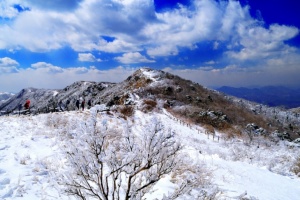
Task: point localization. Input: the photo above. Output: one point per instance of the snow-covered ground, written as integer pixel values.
(29, 153)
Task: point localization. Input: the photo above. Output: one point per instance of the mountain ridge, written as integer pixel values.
(149, 89)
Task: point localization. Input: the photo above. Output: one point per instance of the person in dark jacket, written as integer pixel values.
(20, 108)
(82, 104)
(67, 104)
(77, 104)
(60, 105)
(90, 103)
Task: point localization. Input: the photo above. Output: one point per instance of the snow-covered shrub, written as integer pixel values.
(108, 164)
(297, 141)
(191, 178)
(55, 120)
(25, 159)
(252, 130)
(239, 153)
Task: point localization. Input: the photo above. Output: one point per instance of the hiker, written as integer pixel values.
(20, 107)
(54, 105)
(90, 103)
(82, 104)
(27, 104)
(60, 104)
(77, 104)
(27, 107)
(67, 104)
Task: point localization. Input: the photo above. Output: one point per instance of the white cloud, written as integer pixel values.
(8, 65)
(48, 30)
(81, 29)
(7, 9)
(211, 62)
(117, 46)
(78, 70)
(41, 65)
(47, 67)
(258, 42)
(62, 5)
(136, 27)
(7, 62)
(234, 16)
(88, 57)
(163, 50)
(133, 57)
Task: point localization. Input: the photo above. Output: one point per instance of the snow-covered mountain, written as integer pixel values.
(48, 99)
(35, 95)
(152, 136)
(183, 98)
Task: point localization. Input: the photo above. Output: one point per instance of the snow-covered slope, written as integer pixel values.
(31, 156)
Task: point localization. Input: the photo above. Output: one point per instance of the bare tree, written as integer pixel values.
(110, 165)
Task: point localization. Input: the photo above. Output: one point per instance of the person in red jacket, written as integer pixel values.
(82, 104)
(27, 104)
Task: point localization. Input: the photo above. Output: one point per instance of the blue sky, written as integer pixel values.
(53, 43)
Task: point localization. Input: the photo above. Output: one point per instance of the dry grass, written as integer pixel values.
(296, 167)
(126, 111)
(209, 129)
(148, 105)
(232, 132)
(137, 82)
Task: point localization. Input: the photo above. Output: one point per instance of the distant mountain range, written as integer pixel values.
(5, 96)
(270, 95)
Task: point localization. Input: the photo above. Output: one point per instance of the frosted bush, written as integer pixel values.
(109, 164)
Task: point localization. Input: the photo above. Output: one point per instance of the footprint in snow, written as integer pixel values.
(4, 182)
(2, 171)
(3, 147)
(8, 193)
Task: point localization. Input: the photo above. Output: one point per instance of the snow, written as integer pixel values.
(238, 177)
(25, 149)
(1, 93)
(55, 93)
(152, 75)
(29, 153)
